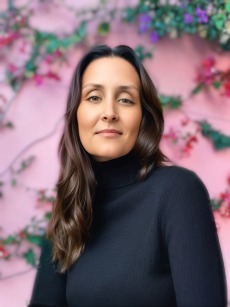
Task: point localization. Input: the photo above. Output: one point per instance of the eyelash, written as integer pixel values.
(92, 98)
(128, 101)
(123, 100)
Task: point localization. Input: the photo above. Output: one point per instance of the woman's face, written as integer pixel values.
(109, 114)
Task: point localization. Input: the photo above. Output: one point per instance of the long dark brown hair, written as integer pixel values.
(72, 214)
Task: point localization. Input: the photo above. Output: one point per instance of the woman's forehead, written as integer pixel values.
(107, 70)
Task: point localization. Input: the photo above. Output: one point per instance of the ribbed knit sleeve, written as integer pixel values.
(192, 244)
(50, 286)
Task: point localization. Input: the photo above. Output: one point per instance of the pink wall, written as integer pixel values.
(37, 113)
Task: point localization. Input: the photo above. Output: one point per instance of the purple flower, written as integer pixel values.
(144, 21)
(154, 37)
(202, 15)
(188, 18)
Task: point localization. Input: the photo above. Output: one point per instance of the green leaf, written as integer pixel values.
(227, 7)
(10, 240)
(215, 204)
(25, 163)
(34, 239)
(30, 66)
(81, 31)
(129, 14)
(142, 53)
(48, 215)
(171, 102)
(30, 257)
(216, 84)
(219, 140)
(219, 21)
(143, 7)
(52, 45)
(197, 89)
(103, 28)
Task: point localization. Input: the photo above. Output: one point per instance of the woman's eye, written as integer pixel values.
(126, 101)
(94, 98)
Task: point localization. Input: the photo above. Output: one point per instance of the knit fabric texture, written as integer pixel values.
(152, 243)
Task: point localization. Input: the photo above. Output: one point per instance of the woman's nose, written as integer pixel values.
(109, 112)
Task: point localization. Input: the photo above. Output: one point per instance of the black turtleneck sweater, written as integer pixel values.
(153, 243)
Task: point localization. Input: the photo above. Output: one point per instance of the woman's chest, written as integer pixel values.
(124, 262)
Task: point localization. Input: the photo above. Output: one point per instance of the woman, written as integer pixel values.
(126, 230)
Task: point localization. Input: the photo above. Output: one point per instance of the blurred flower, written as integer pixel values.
(207, 72)
(154, 37)
(227, 88)
(3, 252)
(38, 79)
(225, 196)
(225, 206)
(188, 146)
(8, 38)
(188, 18)
(202, 16)
(209, 63)
(202, 31)
(227, 27)
(172, 135)
(12, 68)
(144, 22)
(224, 38)
(173, 33)
(210, 9)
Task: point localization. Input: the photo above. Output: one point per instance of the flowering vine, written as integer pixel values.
(209, 20)
(209, 75)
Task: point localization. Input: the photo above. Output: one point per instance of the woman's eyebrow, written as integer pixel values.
(93, 85)
(121, 87)
(128, 87)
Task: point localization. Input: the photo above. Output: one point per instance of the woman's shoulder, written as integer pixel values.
(168, 172)
(176, 177)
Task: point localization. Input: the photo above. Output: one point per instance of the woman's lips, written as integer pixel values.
(109, 132)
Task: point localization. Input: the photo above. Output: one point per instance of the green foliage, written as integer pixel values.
(103, 28)
(129, 14)
(11, 240)
(216, 204)
(227, 7)
(34, 239)
(25, 164)
(30, 258)
(48, 215)
(219, 140)
(142, 53)
(219, 20)
(170, 102)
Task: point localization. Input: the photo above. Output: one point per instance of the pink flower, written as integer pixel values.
(171, 135)
(38, 79)
(3, 252)
(225, 196)
(8, 38)
(227, 88)
(209, 63)
(12, 68)
(52, 75)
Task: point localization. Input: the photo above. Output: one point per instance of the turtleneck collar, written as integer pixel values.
(116, 173)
